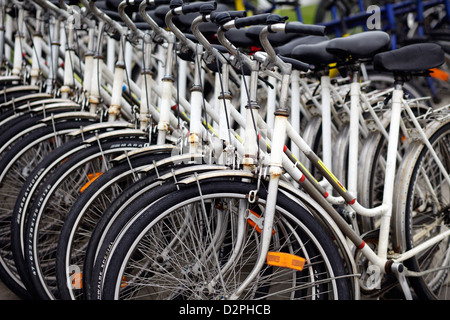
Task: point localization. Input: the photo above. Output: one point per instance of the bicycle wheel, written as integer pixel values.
(127, 205)
(85, 215)
(53, 202)
(425, 214)
(15, 167)
(186, 246)
(26, 196)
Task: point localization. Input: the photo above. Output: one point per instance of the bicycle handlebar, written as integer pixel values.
(232, 15)
(302, 66)
(207, 8)
(159, 2)
(190, 8)
(251, 21)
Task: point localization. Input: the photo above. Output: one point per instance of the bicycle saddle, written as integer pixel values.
(360, 46)
(414, 58)
(315, 54)
(276, 39)
(286, 49)
(240, 39)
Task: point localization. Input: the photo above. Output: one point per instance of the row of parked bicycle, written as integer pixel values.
(166, 150)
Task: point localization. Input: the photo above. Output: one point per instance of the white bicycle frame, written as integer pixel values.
(282, 128)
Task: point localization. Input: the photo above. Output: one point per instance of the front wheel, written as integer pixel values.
(426, 215)
(202, 241)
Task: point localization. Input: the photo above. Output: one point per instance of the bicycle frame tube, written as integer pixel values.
(17, 68)
(37, 49)
(295, 108)
(353, 151)
(326, 123)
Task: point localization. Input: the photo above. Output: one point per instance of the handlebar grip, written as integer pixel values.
(309, 29)
(195, 7)
(233, 14)
(207, 8)
(133, 2)
(297, 64)
(250, 21)
(159, 2)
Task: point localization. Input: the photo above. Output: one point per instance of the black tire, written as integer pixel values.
(85, 215)
(24, 200)
(14, 168)
(422, 211)
(42, 215)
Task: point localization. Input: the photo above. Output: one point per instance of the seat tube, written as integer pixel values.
(326, 123)
(144, 113)
(250, 138)
(166, 95)
(390, 169)
(17, 67)
(195, 136)
(354, 135)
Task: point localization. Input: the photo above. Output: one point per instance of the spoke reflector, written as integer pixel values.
(91, 177)
(285, 260)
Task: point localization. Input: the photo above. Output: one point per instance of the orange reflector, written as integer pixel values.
(285, 260)
(124, 282)
(439, 74)
(77, 282)
(255, 221)
(91, 177)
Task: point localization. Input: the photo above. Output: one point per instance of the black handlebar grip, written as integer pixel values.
(160, 2)
(251, 21)
(207, 8)
(297, 64)
(233, 14)
(309, 29)
(195, 7)
(220, 18)
(133, 2)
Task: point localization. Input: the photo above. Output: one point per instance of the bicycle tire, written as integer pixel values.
(86, 213)
(24, 200)
(40, 209)
(14, 168)
(428, 210)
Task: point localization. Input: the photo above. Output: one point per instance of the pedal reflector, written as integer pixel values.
(285, 260)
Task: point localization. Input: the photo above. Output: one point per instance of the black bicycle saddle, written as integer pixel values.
(414, 58)
(360, 46)
(315, 54)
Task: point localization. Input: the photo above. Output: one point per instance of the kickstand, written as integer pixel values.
(399, 271)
